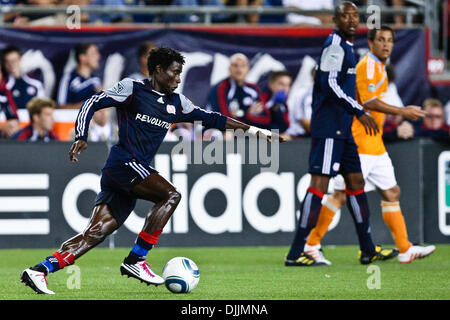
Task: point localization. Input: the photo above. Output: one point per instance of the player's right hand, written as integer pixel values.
(413, 113)
(369, 124)
(76, 148)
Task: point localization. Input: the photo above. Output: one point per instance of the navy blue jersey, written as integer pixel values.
(74, 88)
(7, 104)
(334, 103)
(144, 117)
(24, 89)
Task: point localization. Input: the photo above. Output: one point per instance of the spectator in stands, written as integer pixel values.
(194, 18)
(79, 85)
(300, 111)
(142, 53)
(41, 122)
(250, 18)
(8, 110)
(26, 18)
(272, 18)
(398, 18)
(396, 128)
(22, 87)
(109, 17)
(102, 128)
(447, 113)
(275, 99)
(433, 125)
(236, 98)
(318, 19)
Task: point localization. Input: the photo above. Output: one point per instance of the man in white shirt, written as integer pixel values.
(318, 19)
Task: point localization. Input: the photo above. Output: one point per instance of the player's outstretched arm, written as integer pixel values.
(76, 149)
(209, 119)
(412, 113)
(259, 132)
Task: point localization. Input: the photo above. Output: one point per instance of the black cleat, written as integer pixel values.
(303, 261)
(380, 254)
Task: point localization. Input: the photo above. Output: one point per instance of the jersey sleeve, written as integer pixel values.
(117, 96)
(190, 113)
(366, 81)
(331, 65)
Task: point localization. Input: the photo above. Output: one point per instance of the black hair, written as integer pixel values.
(164, 57)
(81, 48)
(144, 49)
(274, 75)
(390, 71)
(373, 32)
(11, 48)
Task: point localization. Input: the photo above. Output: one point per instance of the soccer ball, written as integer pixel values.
(181, 275)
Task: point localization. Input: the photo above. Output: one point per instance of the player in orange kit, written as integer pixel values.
(378, 172)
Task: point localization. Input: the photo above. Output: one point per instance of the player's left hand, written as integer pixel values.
(369, 124)
(76, 148)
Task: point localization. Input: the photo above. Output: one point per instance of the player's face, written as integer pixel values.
(382, 45)
(45, 119)
(281, 83)
(170, 78)
(12, 63)
(239, 69)
(347, 21)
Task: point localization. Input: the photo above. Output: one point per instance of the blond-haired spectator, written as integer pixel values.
(433, 125)
(40, 128)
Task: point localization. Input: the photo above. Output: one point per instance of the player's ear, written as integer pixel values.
(158, 68)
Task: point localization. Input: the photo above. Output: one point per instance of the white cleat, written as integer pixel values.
(141, 271)
(415, 252)
(316, 253)
(35, 280)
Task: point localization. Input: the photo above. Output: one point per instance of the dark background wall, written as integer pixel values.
(223, 204)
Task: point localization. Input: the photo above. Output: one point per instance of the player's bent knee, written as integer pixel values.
(175, 197)
(393, 194)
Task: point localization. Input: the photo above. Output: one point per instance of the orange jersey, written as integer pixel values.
(371, 83)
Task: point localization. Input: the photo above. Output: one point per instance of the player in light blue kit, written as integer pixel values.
(145, 111)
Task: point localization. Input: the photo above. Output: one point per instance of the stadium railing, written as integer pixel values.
(206, 11)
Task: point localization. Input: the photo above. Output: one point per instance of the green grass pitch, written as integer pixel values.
(236, 273)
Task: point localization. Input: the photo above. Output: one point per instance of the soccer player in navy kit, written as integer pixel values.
(333, 149)
(145, 111)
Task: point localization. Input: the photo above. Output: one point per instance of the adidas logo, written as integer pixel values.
(160, 100)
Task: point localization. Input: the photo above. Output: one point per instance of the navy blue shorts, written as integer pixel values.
(333, 156)
(116, 185)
